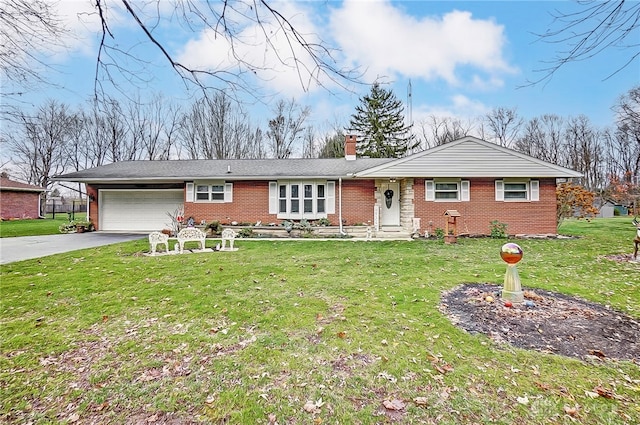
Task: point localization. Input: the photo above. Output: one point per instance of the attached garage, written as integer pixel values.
(138, 210)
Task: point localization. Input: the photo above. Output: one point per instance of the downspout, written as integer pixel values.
(40, 206)
(342, 232)
(88, 202)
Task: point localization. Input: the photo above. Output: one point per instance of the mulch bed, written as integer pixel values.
(556, 323)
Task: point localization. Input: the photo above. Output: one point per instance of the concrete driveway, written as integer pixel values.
(28, 247)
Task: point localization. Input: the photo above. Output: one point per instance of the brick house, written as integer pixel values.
(19, 200)
(481, 180)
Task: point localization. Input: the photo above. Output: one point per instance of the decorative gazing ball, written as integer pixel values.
(511, 253)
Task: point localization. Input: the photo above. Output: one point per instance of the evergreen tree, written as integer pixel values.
(379, 126)
(333, 146)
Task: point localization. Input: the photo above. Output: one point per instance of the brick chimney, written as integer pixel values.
(350, 148)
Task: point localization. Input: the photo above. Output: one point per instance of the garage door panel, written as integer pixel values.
(143, 210)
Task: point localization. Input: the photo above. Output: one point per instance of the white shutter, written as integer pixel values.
(331, 197)
(464, 190)
(228, 192)
(190, 192)
(534, 187)
(273, 197)
(429, 190)
(499, 190)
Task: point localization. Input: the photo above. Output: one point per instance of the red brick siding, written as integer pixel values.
(92, 193)
(250, 204)
(482, 209)
(358, 199)
(16, 204)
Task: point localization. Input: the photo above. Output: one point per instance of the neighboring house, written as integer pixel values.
(19, 200)
(609, 208)
(482, 181)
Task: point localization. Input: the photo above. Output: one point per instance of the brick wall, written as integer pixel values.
(251, 203)
(521, 217)
(19, 204)
(358, 199)
(92, 193)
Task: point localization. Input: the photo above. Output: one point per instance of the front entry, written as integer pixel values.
(390, 206)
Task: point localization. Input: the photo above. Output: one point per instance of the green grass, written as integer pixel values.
(35, 227)
(107, 335)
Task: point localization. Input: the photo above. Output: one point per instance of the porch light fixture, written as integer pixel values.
(392, 180)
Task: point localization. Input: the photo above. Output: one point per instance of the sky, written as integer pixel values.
(461, 59)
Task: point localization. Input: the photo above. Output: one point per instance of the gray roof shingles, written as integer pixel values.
(12, 185)
(229, 169)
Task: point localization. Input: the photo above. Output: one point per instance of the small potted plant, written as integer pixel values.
(84, 226)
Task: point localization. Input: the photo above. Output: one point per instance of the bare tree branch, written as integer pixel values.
(598, 26)
(25, 27)
(313, 61)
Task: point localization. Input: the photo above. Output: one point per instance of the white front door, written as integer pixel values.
(390, 206)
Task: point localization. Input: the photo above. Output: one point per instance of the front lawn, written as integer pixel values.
(304, 332)
(35, 227)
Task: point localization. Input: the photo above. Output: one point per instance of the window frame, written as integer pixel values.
(319, 204)
(462, 190)
(223, 188)
(531, 190)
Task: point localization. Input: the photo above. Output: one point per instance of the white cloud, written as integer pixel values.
(281, 63)
(458, 106)
(389, 42)
(81, 22)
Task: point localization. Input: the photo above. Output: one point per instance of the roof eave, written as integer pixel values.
(157, 180)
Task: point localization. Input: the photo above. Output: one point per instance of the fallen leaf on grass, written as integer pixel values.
(445, 368)
(603, 392)
(394, 404)
(421, 401)
(571, 410)
(313, 406)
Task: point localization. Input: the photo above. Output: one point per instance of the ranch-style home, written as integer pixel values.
(482, 181)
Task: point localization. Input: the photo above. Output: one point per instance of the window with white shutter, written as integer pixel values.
(509, 190)
(210, 191)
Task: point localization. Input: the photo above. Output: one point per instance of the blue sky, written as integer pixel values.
(462, 58)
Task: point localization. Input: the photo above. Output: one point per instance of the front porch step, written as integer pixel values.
(394, 234)
(391, 229)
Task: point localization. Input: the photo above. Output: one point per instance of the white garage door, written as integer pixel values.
(138, 210)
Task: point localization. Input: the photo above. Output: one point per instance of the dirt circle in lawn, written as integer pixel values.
(546, 321)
